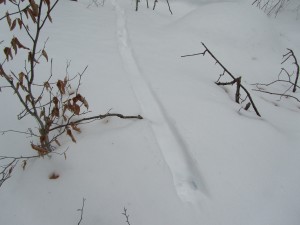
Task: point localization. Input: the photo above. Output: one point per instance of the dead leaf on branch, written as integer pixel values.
(44, 53)
(8, 53)
(31, 58)
(20, 23)
(35, 8)
(13, 25)
(76, 109)
(55, 112)
(8, 19)
(74, 127)
(21, 77)
(61, 87)
(69, 133)
(26, 12)
(31, 14)
(80, 98)
(39, 149)
(55, 101)
(47, 2)
(47, 85)
(15, 41)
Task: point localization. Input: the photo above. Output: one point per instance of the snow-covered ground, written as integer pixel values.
(196, 158)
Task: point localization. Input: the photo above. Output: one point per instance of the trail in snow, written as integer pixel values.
(186, 176)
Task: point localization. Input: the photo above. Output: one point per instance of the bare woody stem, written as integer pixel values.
(235, 80)
(297, 69)
(99, 117)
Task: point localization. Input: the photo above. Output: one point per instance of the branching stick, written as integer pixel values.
(235, 80)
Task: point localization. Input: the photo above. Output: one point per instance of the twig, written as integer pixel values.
(81, 211)
(291, 54)
(28, 132)
(281, 95)
(7, 169)
(126, 215)
(169, 7)
(99, 117)
(225, 70)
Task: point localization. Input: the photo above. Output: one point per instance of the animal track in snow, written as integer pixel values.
(186, 177)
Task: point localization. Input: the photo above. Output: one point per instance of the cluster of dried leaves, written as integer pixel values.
(56, 105)
(50, 103)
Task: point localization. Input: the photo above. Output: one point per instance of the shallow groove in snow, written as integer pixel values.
(186, 177)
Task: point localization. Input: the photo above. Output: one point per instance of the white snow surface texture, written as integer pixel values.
(196, 158)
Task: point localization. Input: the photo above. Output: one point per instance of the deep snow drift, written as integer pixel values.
(196, 158)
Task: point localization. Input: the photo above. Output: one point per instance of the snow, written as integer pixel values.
(196, 158)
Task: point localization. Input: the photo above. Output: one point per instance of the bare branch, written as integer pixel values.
(8, 167)
(81, 211)
(126, 216)
(99, 117)
(235, 80)
(28, 132)
(281, 95)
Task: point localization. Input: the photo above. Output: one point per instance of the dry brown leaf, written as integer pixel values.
(76, 110)
(19, 44)
(8, 19)
(8, 53)
(61, 87)
(13, 25)
(53, 176)
(74, 127)
(47, 85)
(69, 133)
(55, 112)
(35, 8)
(44, 53)
(14, 45)
(31, 13)
(20, 23)
(55, 101)
(85, 103)
(39, 149)
(21, 77)
(47, 2)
